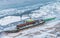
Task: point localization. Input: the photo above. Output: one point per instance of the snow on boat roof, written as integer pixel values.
(9, 19)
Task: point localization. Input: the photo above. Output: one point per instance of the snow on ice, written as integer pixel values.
(43, 31)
